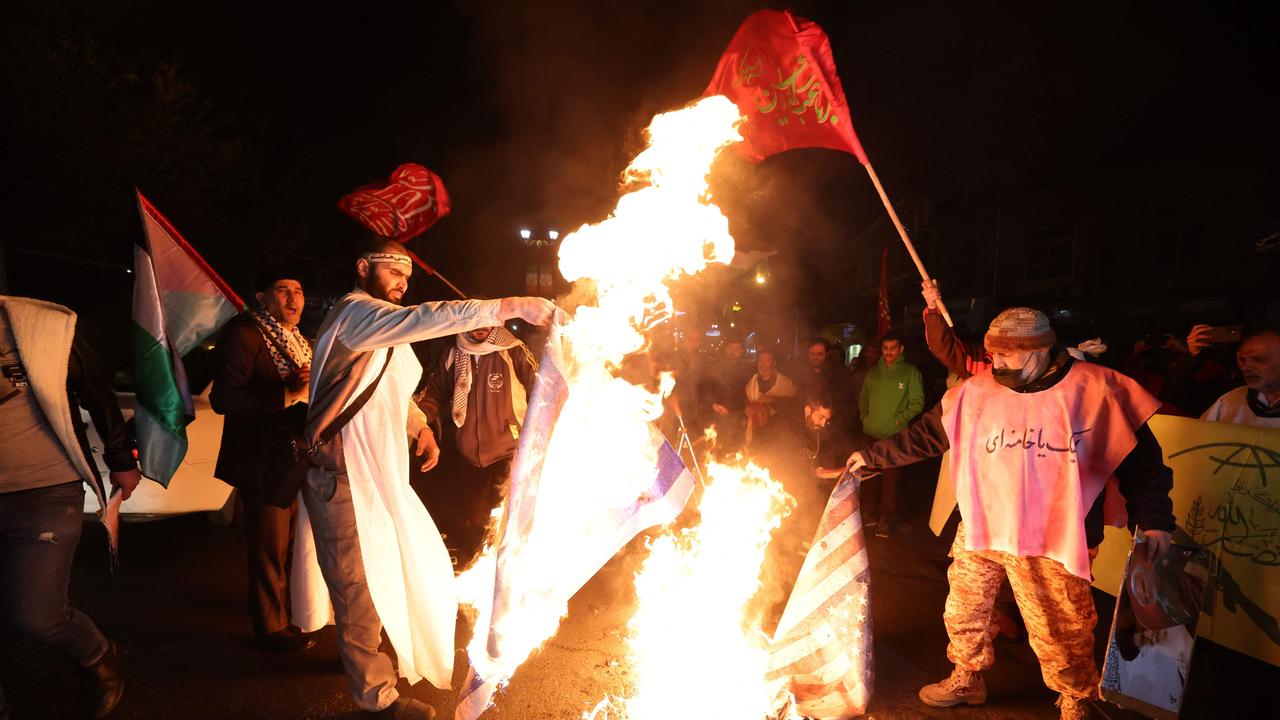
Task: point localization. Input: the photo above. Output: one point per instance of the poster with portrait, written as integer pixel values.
(1154, 630)
(1226, 498)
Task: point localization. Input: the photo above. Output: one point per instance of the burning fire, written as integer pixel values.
(694, 649)
(695, 584)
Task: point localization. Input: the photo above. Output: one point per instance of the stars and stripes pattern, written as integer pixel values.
(822, 651)
(523, 544)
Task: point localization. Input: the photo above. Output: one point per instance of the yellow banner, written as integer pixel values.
(1226, 497)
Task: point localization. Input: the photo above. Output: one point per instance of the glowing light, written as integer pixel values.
(526, 233)
(663, 228)
(692, 619)
(553, 234)
(759, 278)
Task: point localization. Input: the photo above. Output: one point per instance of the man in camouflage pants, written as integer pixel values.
(1056, 606)
(1033, 442)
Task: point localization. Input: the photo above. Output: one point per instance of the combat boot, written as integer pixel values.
(1073, 708)
(960, 688)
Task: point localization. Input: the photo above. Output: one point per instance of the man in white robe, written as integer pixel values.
(381, 558)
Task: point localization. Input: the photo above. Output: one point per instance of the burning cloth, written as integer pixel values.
(822, 655)
(554, 539)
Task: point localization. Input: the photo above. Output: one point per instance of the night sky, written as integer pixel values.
(245, 122)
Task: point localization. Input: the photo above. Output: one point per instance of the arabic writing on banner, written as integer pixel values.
(797, 94)
(1033, 439)
(1226, 497)
(779, 71)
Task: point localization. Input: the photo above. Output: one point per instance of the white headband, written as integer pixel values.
(387, 257)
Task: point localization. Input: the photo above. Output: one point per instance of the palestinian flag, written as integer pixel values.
(178, 302)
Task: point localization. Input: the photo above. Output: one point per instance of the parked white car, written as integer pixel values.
(192, 489)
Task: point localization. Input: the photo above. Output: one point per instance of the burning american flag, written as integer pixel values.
(591, 472)
(550, 544)
(822, 652)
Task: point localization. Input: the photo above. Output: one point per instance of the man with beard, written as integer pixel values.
(799, 454)
(484, 380)
(1258, 402)
(820, 374)
(374, 543)
(1033, 443)
(263, 365)
(798, 443)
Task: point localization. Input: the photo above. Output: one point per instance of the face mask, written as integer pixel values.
(1015, 379)
(1009, 378)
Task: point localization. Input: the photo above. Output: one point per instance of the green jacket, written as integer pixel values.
(891, 397)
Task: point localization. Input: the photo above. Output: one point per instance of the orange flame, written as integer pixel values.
(603, 450)
(693, 648)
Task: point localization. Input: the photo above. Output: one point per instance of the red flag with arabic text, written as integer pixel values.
(402, 208)
(779, 71)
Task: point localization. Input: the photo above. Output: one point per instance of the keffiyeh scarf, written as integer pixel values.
(499, 339)
(282, 341)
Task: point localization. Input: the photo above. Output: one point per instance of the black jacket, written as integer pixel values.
(248, 390)
(89, 387)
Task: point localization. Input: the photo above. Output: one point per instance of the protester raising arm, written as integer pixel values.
(963, 359)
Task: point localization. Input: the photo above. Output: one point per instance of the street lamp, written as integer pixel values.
(526, 233)
(759, 278)
(553, 234)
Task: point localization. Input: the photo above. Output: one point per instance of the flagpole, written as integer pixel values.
(906, 240)
(432, 271)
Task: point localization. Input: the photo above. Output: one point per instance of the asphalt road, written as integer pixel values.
(177, 608)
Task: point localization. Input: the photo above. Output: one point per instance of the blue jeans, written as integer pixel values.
(39, 532)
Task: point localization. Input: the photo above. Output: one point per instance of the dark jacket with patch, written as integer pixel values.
(491, 430)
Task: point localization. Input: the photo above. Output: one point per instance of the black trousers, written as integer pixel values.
(268, 531)
(463, 498)
(880, 495)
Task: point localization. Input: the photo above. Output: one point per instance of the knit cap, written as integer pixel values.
(1018, 329)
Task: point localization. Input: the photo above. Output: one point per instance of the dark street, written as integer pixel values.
(587, 255)
(177, 608)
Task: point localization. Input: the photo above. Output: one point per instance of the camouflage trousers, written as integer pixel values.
(1056, 606)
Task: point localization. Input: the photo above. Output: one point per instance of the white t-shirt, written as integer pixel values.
(1233, 407)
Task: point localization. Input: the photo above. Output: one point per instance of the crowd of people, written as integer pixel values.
(1031, 507)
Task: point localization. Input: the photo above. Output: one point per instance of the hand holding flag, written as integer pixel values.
(779, 71)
